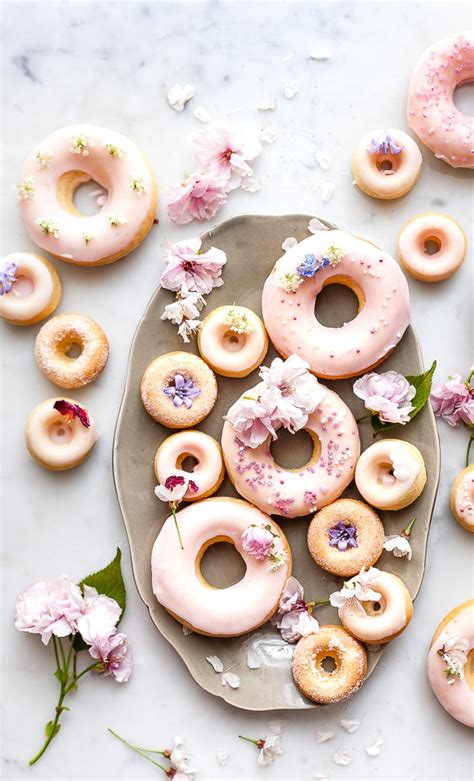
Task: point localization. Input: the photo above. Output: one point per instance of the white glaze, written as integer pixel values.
(22, 308)
(389, 620)
(231, 353)
(56, 442)
(373, 473)
(445, 232)
(464, 498)
(207, 471)
(398, 179)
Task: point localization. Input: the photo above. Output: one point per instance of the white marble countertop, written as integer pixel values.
(111, 64)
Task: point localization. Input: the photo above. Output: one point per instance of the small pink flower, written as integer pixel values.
(198, 198)
(188, 270)
(448, 397)
(175, 488)
(466, 411)
(387, 394)
(101, 615)
(251, 422)
(114, 653)
(257, 541)
(50, 607)
(293, 618)
(291, 392)
(223, 154)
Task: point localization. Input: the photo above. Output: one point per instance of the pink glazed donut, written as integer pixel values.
(336, 257)
(208, 472)
(448, 240)
(60, 434)
(296, 492)
(432, 114)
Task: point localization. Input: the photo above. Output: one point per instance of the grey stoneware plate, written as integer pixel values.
(253, 244)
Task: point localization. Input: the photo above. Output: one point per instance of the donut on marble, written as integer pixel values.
(450, 663)
(390, 474)
(60, 434)
(208, 472)
(386, 163)
(431, 110)
(30, 288)
(178, 583)
(53, 171)
(462, 498)
(336, 257)
(448, 240)
(178, 389)
(64, 333)
(232, 340)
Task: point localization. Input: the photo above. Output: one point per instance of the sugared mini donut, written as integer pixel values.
(386, 163)
(64, 334)
(295, 492)
(60, 434)
(321, 685)
(53, 171)
(30, 288)
(383, 620)
(345, 536)
(180, 587)
(390, 474)
(232, 340)
(178, 389)
(450, 660)
(445, 237)
(462, 498)
(431, 111)
(335, 257)
(208, 472)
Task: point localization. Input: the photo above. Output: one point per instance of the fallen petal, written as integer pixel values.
(215, 663)
(267, 105)
(349, 725)
(315, 225)
(327, 190)
(341, 757)
(268, 134)
(250, 185)
(202, 114)
(320, 53)
(323, 735)
(231, 679)
(222, 757)
(374, 749)
(289, 243)
(290, 88)
(179, 95)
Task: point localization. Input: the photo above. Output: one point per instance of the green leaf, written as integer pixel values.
(422, 384)
(109, 581)
(51, 729)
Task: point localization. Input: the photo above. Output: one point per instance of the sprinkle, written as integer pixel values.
(216, 663)
(114, 150)
(43, 159)
(25, 189)
(48, 226)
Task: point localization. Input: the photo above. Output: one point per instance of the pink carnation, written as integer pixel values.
(388, 395)
(447, 399)
(223, 154)
(198, 198)
(257, 541)
(189, 270)
(50, 607)
(114, 653)
(100, 617)
(466, 411)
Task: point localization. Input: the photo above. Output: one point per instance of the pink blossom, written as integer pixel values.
(101, 615)
(388, 395)
(251, 421)
(188, 270)
(466, 411)
(448, 397)
(198, 198)
(293, 618)
(291, 392)
(223, 153)
(257, 540)
(50, 607)
(114, 653)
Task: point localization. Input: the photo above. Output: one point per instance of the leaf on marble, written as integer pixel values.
(109, 581)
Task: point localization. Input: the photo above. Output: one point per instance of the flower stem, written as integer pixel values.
(468, 451)
(173, 510)
(250, 740)
(363, 417)
(407, 531)
(142, 751)
(311, 605)
(468, 379)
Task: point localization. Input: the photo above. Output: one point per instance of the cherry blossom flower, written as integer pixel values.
(448, 397)
(356, 590)
(399, 544)
(257, 540)
(387, 395)
(50, 607)
(466, 411)
(184, 312)
(292, 391)
(178, 756)
(223, 154)
(251, 421)
(268, 748)
(199, 197)
(294, 619)
(188, 270)
(454, 653)
(173, 491)
(179, 95)
(114, 653)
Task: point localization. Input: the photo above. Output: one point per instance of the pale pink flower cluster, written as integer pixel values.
(454, 400)
(356, 590)
(293, 618)
(388, 395)
(221, 157)
(257, 540)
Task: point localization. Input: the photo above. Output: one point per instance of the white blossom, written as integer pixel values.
(179, 95)
(398, 545)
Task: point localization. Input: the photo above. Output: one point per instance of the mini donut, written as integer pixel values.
(30, 288)
(208, 472)
(232, 340)
(180, 587)
(449, 242)
(386, 163)
(431, 111)
(313, 680)
(53, 171)
(390, 474)
(345, 536)
(462, 498)
(454, 634)
(295, 492)
(60, 434)
(63, 333)
(335, 257)
(381, 621)
(178, 389)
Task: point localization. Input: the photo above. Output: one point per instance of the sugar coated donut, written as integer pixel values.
(462, 498)
(232, 340)
(345, 536)
(30, 288)
(61, 335)
(445, 236)
(50, 176)
(336, 257)
(381, 620)
(390, 474)
(431, 111)
(208, 472)
(295, 492)
(386, 163)
(178, 389)
(450, 660)
(348, 655)
(180, 587)
(60, 434)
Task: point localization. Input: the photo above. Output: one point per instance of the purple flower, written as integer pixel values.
(384, 146)
(7, 277)
(448, 398)
(182, 392)
(343, 536)
(387, 395)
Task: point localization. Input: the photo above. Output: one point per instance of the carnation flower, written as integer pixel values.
(197, 198)
(448, 397)
(188, 270)
(257, 540)
(100, 617)
(294, 619)
(50, 607)
(387, 395)
(222, 154)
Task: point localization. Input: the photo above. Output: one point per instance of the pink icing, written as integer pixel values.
(208, 469)
(352, 348)
(452, 246)
(18, 306)
(391, 618)
(464, 498)
(431, 111)
(373, 473)
(55, 441)
(405, 166)
(238, 355)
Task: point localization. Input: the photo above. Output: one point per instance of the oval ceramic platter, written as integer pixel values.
(262, 659)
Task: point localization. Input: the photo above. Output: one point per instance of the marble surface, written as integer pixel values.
(111, 64)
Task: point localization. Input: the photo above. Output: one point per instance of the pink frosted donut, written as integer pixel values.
(336, 257)
(30, 288)
(296, 492)
(431, 111)
(462, 498)
(450, 663)
(232, 340)
(208, 472)
(442, 232)
(390, 474)
(60, 433)
(50, 176)
(386, 163)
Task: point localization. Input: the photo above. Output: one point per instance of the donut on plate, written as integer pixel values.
(390, 474)
(208, 472)
(232, 340)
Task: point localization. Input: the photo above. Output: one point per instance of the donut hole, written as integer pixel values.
(219, 564)
(295, 451)
(60, 432)
(385, 474)
(73, 350)
(23, 286)
(187, 462)
(338, 303)
(431, 245)
(329, 664)
(375, 608)
(233, 342)
(79, 194)
(464, 98)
